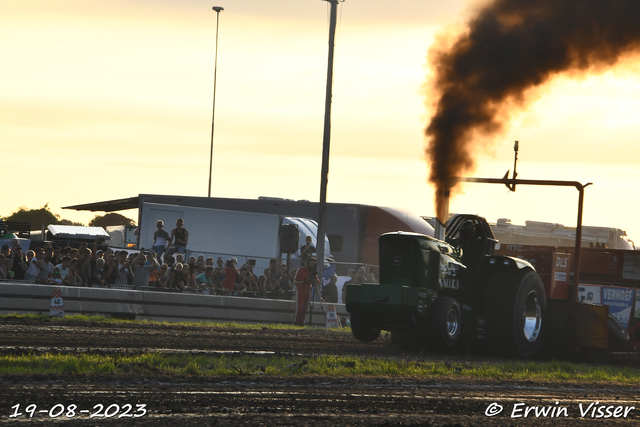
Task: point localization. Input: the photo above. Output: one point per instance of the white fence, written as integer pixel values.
(20, 298)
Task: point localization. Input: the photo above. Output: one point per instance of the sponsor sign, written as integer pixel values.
(590, 294)
(620, 302)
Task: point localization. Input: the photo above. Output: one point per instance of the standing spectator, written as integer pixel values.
(97, 274)
(35, 267)
(306, 252)
(285, 280)
(3, 270)
(5, 250)
(272, 272)
(330, 292)
(141, 271)
(361, 277)
(45, 275)
(84, 264)
(240, 288)
(306, 277)
(160, 239)
(30, 255)
(352, 280)
(179, 238)
(111, 271)
(124, 266)
(18, 263)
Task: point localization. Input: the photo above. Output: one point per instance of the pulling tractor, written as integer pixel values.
(451, 294)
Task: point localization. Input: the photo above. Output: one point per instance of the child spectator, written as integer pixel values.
(163, 277)
(73, 278)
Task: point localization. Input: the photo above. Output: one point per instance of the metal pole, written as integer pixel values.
(217, 9)
(326, 141)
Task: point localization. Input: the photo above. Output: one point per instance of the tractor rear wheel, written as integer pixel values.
(363, 329)
(444, 323)
(514, 307)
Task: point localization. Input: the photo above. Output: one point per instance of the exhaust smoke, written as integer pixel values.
(509, 48)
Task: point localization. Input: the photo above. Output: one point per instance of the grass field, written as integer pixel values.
(187, 365)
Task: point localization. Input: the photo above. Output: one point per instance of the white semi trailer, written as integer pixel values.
(218, 231)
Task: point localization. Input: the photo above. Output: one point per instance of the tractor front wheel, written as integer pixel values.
(444, 324)
(363, 329)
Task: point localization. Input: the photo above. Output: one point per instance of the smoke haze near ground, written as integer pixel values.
(508, 50)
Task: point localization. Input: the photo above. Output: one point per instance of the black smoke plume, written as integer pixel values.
(507, 49)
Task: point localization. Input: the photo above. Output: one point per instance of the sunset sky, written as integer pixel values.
(108, 99)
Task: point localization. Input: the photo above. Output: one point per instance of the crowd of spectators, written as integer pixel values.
(143, 270)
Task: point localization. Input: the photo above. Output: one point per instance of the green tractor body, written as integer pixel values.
(451, 294)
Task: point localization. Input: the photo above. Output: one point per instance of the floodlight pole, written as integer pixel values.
(326, 141)
(217, 9)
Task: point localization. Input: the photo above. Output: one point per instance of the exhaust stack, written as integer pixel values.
(443, 212)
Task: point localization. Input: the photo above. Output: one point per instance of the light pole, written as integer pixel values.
(217, 9)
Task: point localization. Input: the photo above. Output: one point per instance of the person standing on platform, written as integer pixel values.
(306, 278)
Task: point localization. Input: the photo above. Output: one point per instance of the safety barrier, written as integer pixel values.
(21, 298)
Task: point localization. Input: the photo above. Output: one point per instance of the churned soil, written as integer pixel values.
(274, 401)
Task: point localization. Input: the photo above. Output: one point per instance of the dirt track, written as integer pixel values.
(255, 400)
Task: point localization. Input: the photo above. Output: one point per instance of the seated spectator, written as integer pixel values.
(274, 290)
(176, 281)
(73, 278)
(240, 288)
(330, 292)
(205, 281)
(5, 250)
(261, 285)
(200, 258)
(285, 280)
(142, 266)
(97, 274)
(189, 278)
(160, 239)
(163, 277)
(63, 268)
(371, 277)
(231, 274)
(192, 261)
(218, 279)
